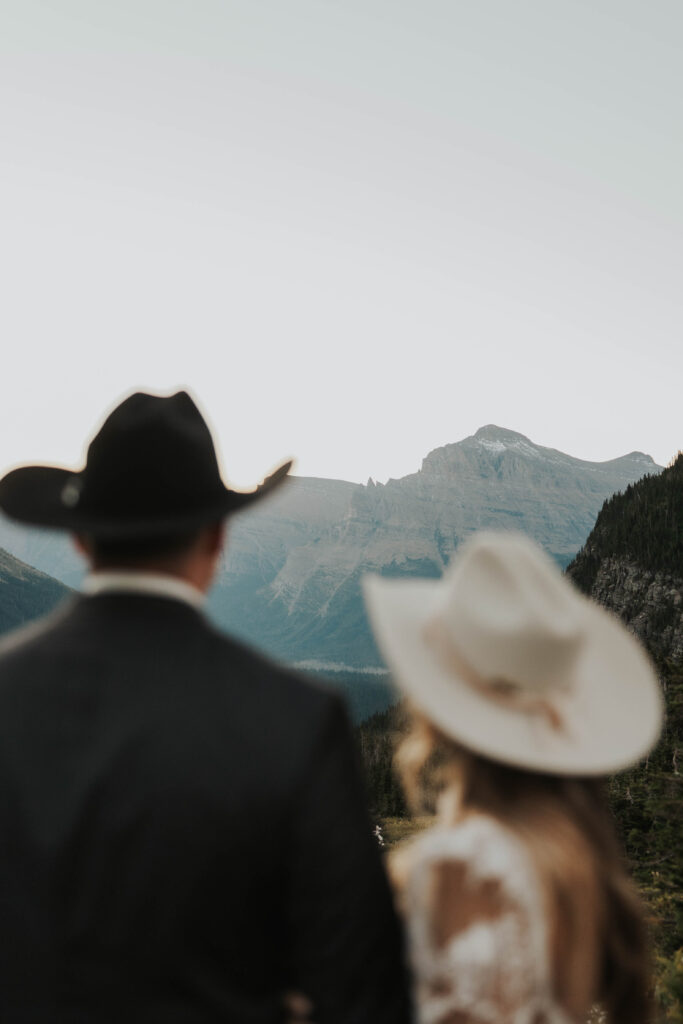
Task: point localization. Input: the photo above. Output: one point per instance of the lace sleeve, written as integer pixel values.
(477, 931)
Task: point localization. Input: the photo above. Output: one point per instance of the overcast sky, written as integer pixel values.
(355, 229)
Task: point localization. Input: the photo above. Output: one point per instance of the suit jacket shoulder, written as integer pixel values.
(181, 826)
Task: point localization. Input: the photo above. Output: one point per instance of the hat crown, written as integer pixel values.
(150, 449)
(510, 615)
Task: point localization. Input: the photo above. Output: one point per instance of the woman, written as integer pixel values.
(518, 907)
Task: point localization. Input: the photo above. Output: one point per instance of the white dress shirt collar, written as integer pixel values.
(151, 583)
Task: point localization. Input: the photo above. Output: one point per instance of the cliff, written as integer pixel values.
(632, 561)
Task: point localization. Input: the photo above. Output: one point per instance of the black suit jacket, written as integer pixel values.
(182, 831)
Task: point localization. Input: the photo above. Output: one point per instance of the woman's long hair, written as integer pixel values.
(599, 941)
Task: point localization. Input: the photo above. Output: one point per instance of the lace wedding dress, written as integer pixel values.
(477, 932)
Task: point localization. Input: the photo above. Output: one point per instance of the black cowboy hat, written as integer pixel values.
(151, 469)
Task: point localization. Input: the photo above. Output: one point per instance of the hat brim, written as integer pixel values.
(611, 713)
(34, 495)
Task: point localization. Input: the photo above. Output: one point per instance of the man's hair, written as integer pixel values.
(133, 552)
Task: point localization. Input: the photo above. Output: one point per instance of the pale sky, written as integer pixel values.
(355, 229)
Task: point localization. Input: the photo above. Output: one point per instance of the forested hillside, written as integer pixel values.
(644, 524)
(632, 563)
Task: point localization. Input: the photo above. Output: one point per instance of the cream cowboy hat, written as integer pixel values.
(504, 655)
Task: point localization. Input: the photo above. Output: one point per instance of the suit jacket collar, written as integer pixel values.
(144, 583)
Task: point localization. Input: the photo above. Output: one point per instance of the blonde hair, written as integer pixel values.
(599, 944)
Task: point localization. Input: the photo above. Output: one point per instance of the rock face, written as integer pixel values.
(25, 593)
(310, 606)
(650, 603)
(290, 579)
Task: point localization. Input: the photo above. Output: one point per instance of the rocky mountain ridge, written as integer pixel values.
(495, 479)
(290, 577)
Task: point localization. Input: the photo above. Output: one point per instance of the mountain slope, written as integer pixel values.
(497, 479)
(50, 551)
(25, 593)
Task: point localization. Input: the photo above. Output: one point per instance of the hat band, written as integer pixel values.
(503, 692)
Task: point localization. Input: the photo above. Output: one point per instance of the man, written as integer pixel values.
(182, 831)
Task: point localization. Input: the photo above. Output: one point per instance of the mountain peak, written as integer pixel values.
(499, 435)
(491, 432)
(641, 457)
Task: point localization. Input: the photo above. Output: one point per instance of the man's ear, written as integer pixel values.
(214, 538)
(81, 544)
